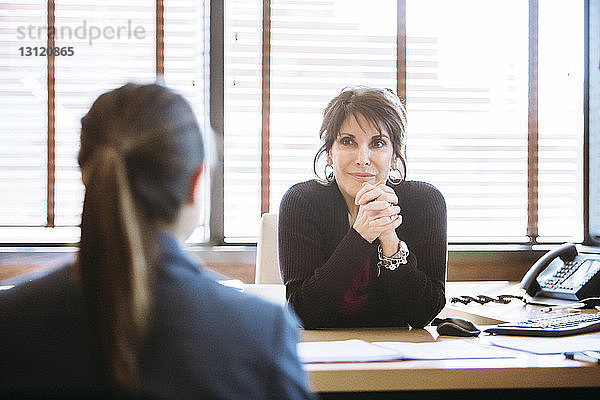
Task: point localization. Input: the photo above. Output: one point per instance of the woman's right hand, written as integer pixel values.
(377, 213)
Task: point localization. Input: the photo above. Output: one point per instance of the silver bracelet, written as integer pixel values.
(393, 262)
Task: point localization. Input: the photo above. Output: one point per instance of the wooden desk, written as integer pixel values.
(526, 371)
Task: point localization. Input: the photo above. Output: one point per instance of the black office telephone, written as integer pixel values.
(564, 273)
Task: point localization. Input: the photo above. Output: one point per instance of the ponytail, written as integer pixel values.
(140, 146)
(113, 264)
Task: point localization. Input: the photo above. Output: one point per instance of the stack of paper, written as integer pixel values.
(548, 345)
(356, 350)
(344, 351)
(446, 350)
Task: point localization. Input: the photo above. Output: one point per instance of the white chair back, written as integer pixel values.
(267, 254)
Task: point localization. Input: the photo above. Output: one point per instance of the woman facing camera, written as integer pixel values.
(135, 316)
(364, 247)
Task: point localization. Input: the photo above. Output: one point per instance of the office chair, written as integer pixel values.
(267, 255)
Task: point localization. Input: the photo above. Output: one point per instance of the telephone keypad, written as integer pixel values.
(561, 275)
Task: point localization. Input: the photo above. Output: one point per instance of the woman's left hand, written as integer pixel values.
(380, 192)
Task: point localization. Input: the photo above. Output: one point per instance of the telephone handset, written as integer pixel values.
(564, 273)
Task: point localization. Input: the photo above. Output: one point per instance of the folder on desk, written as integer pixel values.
(356, 350)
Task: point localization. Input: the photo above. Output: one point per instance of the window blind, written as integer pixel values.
(105, 45)
(186, 70)
(561, 70)
(242, 119)
(98, 65)
(467, 112)
(467, 99)
(23, 107)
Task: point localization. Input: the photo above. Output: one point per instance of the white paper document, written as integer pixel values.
(344, 351)
(360, 351)
(446, 350)
(548, 345)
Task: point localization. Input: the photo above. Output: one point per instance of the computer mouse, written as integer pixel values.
(457, 327)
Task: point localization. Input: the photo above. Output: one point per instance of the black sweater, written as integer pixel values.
(320, 255)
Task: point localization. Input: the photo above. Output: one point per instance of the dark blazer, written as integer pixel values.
(207, 340)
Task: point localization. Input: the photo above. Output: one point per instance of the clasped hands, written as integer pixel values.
(378, 215)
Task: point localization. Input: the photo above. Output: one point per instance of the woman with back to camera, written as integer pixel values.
(135, 316)
(366, 247)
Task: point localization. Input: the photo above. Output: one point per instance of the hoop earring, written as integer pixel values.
(329, 175)
(396, 177)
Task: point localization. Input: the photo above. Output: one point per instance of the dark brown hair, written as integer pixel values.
(140, 145)
(380, 107)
